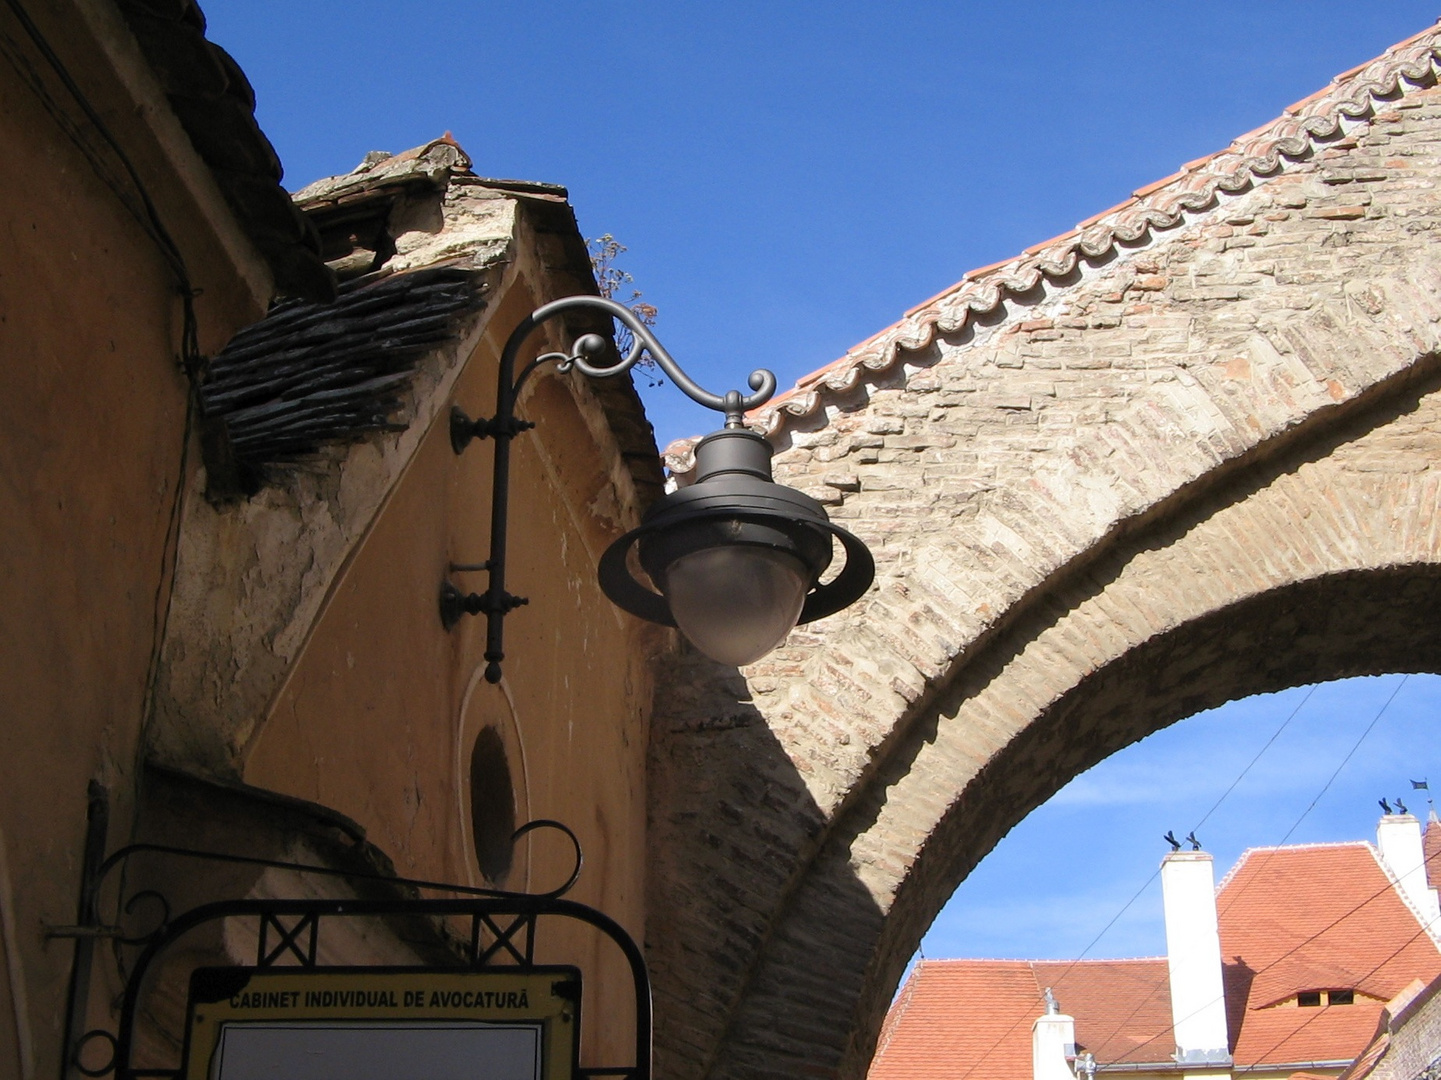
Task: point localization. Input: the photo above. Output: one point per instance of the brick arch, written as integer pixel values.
(1077, 498)
(1086, 672)
(1341, 539)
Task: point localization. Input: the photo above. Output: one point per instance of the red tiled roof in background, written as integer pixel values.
(960, 1018)
(1311, 917)
(1316, 917)
(1431, 847)
(1161, 205)
(1398, 1015)
(1122, 1007)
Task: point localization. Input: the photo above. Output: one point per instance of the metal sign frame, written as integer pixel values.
(229, 1004)
(502, 931)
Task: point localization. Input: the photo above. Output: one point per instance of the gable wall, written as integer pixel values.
(380, 707)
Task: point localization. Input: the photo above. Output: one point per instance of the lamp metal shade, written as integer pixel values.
(737, 557)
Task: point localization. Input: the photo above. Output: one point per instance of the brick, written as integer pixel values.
(1337, 213)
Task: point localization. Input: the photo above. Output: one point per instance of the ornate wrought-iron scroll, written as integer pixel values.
(502, 933)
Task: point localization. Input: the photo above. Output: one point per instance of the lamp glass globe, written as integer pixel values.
(736, 602)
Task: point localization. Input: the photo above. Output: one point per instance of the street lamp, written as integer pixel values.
(737, 557)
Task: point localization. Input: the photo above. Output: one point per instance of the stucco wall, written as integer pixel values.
(304, 648)
(93, 410)
(381, 706)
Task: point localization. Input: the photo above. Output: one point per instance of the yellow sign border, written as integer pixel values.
(547, 995)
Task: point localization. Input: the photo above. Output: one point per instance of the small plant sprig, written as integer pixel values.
(613, 283)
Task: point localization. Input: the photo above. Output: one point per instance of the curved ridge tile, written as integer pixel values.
(1260, 154)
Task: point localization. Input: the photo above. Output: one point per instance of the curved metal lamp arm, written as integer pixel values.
(495, 602)
(762, 382)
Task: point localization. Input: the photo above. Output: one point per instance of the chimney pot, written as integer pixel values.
(1398, 839)
(1193, 958)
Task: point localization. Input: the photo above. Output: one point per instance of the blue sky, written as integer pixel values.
(1035, 897)
(792, 177)
(789, 179)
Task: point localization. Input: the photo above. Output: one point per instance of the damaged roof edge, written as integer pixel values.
(406, 218)
(214, 103)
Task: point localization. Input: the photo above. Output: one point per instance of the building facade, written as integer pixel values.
(232, 503)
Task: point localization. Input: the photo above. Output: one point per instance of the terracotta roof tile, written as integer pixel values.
(1052, 242)
(1431, 846)
(1317, 917)
(1157, 185)
(1122, 1007)
(958, 1018)
(1094, 218)
(1405, 68)
(1335, 1033)
(1196, 163)
(977, 1012)
(1292, 919)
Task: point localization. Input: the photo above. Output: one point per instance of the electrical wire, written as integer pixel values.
(1314, 802)
(148, 216)
(1322, 1011)
(1270, 854)
(1146, 885)
(1388, 887)
(1205, 817)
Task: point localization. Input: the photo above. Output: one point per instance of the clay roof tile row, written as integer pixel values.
(1308, 917)
(1161, 205)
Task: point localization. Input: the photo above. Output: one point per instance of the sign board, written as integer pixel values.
(382, 1024)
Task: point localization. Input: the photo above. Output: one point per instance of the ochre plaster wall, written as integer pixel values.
(93, 410)
(382, 706)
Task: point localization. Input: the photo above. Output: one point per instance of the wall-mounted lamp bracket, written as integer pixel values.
(463, 429)
(584, 357)
(737, 558)
(454, 604)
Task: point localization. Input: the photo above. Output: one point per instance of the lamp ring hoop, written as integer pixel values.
(841, 591)
(89, 1037)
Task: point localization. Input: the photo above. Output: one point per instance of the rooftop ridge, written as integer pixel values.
(1163, 204)
(1433, 931)
(897, 1011)
(928, 961)
(1272, 848)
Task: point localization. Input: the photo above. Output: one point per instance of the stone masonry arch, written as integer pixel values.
(1185, 453)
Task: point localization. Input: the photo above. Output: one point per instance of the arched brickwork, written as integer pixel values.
(1191, 463)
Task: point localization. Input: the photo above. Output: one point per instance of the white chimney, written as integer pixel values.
(1398, 837)
(1053, 1043)
(1193, 956)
